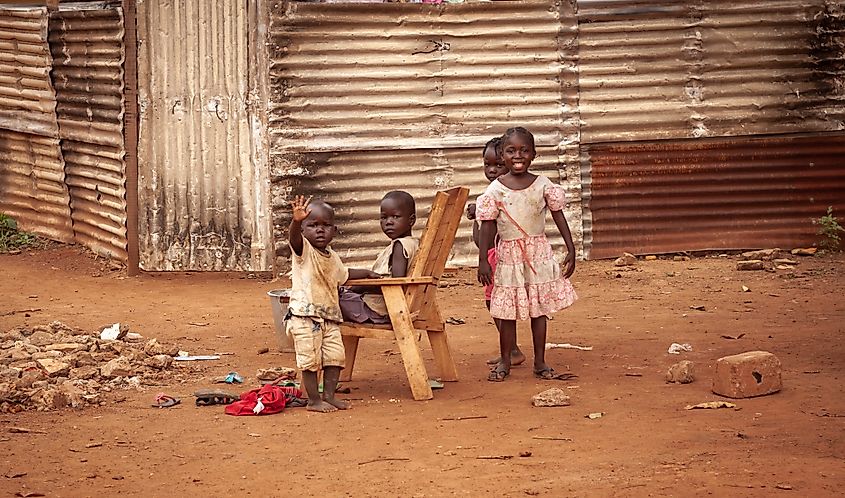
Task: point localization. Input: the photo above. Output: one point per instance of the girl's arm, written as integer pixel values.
(299, 205)
(488, 233)
(563, 227)
(398, 261)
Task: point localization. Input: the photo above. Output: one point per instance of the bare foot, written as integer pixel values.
(517, 358)
(338, 403)
(321, 406)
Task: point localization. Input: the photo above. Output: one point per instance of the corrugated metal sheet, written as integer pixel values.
(32, 177)
(27, 99)
(198, 195)
(88, 56)
(663, 69)
(366, 98)
(337, 177)
(32, 184)
(733, 193)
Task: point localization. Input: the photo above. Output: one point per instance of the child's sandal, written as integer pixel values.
(498, 374)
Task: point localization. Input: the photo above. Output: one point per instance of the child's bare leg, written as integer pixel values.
(330, 376)
(507, 341)
(517, 356)
(538, 335)
(315, 402)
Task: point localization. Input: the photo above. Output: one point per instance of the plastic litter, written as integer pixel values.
(676, 348)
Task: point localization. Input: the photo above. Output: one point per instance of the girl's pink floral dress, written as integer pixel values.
(527, 281)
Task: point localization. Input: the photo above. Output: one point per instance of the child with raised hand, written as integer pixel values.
(528, 282)
(493, 168)
(314, 315)
(397, 215)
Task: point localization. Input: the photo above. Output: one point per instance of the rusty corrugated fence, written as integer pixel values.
(366, 98)
(33, 187)
(88, 57)
(659, 79)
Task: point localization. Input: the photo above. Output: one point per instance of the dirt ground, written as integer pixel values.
(646, 443)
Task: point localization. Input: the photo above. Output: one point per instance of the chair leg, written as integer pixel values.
(406, 339)
(443, 355)
(350, 345)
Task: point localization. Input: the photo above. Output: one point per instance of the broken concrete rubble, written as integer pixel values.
(64, 367)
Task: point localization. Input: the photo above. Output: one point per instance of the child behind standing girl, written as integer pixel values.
(528, 282)
(493, 168)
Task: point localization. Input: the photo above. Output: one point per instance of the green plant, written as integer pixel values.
(829, 230)
(11, 238)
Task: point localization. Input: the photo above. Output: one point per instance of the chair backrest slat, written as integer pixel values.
(436, 244)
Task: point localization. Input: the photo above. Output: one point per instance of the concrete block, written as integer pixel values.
(745, 375)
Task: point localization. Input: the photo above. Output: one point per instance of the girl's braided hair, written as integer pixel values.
(517, 130)
(496, 143)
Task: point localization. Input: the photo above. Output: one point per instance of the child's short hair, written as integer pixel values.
(517, 130)
(404, 198)
(319, 203)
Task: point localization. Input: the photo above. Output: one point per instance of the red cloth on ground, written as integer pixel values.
(272, 397)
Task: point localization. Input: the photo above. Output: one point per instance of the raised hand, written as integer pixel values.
(299, 204)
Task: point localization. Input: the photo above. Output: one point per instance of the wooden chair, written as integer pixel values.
(412, 301)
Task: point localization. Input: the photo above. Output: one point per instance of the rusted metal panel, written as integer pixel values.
(32, 184)
(32, 176)
(27, 99)
(88, 57)
(701, 194)
(198, 191)
(366, 98)
(655, 69)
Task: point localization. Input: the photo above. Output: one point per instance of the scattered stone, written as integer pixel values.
(53, 368)
(680, 373)
(66, 347)
(627, 259)
(84, 373)
(28, 378)
(46, 354)
(751, 264)
(153, 348)
(73, 395)
(10, 373)
(785, 261)
(745, 375)
(784, 267)
(19, 353)
(159, 361)
(764, 254)
(745, 289)
(551, 397)
(81, 359)
(809, 251)
(651, 257)
(680, 258)
(41, 338)
(118, 367)
(49, 398)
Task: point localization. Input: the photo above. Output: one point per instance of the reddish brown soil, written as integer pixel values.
(646, 444)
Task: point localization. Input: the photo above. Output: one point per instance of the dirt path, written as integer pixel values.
(646, 444)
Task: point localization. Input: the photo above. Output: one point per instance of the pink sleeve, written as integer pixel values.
(485, 208)
(555, 198)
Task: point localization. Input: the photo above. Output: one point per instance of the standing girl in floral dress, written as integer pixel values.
(528, 283)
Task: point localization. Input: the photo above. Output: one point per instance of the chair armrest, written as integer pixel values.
(375, 282)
